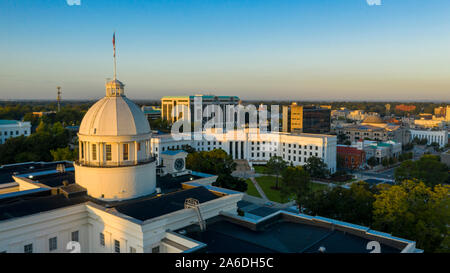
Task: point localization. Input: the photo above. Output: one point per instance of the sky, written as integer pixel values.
(255, 49)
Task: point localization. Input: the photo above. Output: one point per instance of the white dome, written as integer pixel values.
(114, 115)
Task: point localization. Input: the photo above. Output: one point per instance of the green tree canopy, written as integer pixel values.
(428, 169)
(64, 154)
(275, 166)
(352, 205)
(216, 161)
(316, 167)
(414, 211)
(295, 183)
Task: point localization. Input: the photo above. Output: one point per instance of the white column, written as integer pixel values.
(118, 154)
(135, 152)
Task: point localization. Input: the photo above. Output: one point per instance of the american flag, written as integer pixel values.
(114, 43)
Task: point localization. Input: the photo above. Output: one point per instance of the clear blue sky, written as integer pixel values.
(256, 49)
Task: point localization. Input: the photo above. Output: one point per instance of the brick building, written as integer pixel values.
(350, 157)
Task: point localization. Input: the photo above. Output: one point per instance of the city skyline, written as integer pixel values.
(270, 50)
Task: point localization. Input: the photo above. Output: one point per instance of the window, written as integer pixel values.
(75, 236)
(138, 146)
(125, 151)
(94, 151)
(155, 249)
(52, 243)
(108, 152)
(17, 132)
(132, 249)
(82, 149)
(102, 239)
(116, 246)
(28, 248)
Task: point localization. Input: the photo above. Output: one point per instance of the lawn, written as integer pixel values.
(251, 190)
(267, 182)
(260, 169)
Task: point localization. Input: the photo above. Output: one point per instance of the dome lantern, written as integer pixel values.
(114, 88)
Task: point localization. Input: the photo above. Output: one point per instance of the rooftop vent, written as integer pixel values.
(61, 168)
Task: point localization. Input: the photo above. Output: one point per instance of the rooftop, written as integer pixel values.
(8, 122)
(7, 171)
(279, 236)
(144, 209)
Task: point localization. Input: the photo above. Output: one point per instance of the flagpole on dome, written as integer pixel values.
(114, 47)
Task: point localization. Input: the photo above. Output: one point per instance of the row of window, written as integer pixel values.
(11, 133)
(311, 147)
(300, 152)
(108, 151)
(52, 243)
(116, 244)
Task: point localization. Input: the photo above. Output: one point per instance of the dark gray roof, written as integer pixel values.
(282, 236)
(144, 209)
(7, 171)
(26, 205)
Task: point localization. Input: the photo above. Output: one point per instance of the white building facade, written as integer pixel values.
(438, 136)
(13, 128)
(257, 147)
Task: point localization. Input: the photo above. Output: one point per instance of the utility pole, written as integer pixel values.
(58, 97)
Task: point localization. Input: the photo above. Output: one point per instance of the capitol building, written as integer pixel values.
(130, 192)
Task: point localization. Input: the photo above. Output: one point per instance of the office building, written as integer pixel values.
(13, 128)
(306, 119)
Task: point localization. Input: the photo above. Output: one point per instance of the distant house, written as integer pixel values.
(151, 112)
(13, 128)
(405, 108)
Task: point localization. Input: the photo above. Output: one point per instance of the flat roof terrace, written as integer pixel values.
(7, 171)
(281, 236)
(144, 209)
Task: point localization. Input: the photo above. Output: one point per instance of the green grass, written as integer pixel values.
(260, 169)
(318, 187)
(251, 190)
(267, 182)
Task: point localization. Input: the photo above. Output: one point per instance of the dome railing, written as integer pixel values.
(115, 164)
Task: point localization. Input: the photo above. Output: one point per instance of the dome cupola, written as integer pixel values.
(115, 160)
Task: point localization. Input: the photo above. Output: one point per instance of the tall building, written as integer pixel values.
(13, 128)
(447, 114)
(168, 103)
(306, 119)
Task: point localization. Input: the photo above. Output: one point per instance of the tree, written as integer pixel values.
(64, 154)
(216, 161)
(275, 166)
(428, 169)
(414, 211)
(385, 162)
(372, 161)
(295, 183)
(351, 205)
(230, 182)
(316, 167)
